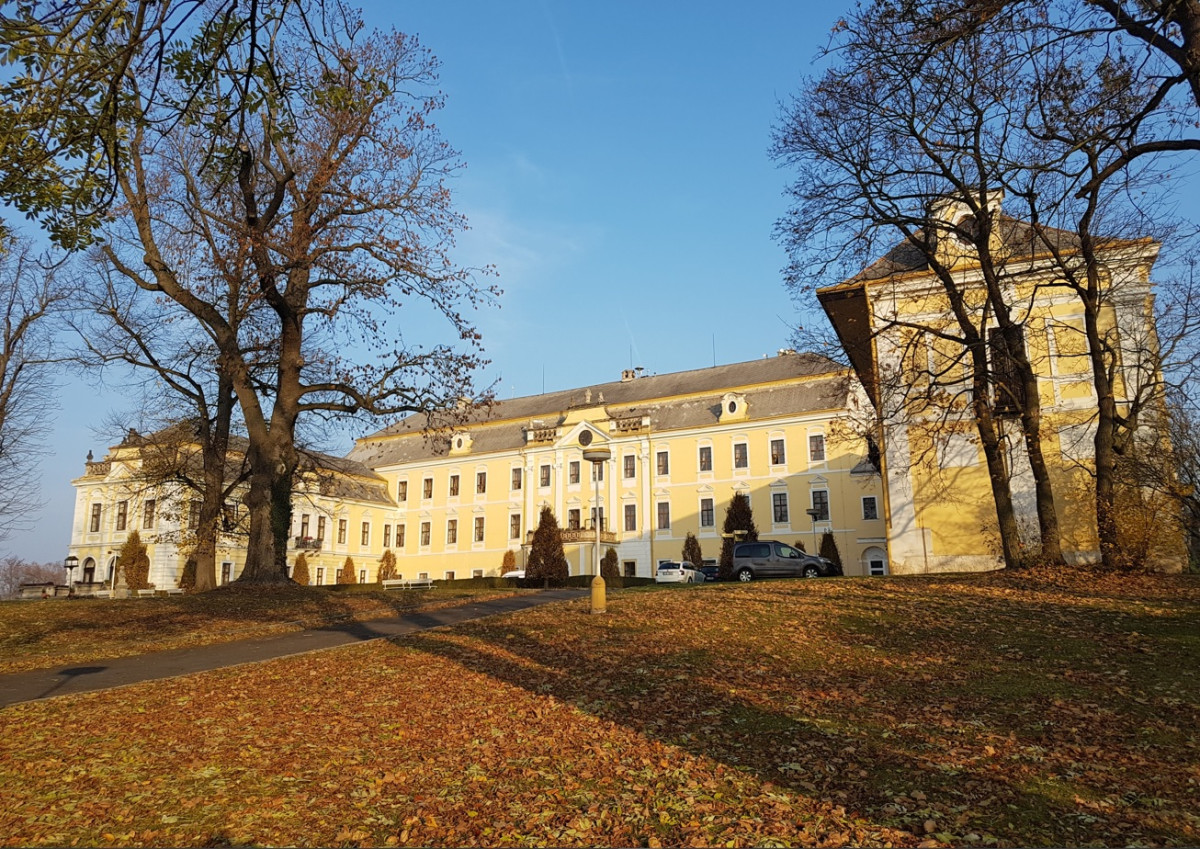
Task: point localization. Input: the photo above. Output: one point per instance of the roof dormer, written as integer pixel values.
(733, 407)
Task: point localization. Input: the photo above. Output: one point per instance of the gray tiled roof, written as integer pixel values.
(776, 386)
(1019, 237)
(336, 477)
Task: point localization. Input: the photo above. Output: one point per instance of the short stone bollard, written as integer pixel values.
(598, 605)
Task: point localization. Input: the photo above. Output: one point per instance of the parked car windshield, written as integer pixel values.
(787, 551)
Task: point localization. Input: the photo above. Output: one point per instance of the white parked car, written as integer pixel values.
(678, 573)
(519, 573)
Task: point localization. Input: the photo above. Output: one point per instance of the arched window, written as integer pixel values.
(875, 561)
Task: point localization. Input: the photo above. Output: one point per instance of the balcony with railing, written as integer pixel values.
(586, 535)
(308, 543)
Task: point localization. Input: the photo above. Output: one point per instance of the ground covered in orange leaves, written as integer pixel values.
(44, 633)
(1036, 708)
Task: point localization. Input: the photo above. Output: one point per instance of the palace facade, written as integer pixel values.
(450, 502)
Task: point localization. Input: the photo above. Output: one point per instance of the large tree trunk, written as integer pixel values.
(261, 561)
(1030, 404)
(270, 482)
(1006, 517)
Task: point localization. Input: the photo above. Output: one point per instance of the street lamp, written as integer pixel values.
(596, 455)
(814, 513)
(69, 564)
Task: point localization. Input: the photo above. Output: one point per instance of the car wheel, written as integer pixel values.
(812, 572)
(745, 575)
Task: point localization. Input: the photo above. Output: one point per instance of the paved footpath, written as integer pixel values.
(117, 672)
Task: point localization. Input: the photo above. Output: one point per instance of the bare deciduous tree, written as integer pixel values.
(30, 300)
(327, 213)
(15, 571)
(922, 114)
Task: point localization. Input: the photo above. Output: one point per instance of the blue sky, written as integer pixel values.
(617, 178)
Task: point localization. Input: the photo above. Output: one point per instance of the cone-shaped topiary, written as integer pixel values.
(387, 566)
(738, 517)
(187, 581)
(692, 552)
(134, 562)
(509, 562)
(829, 549)
(608, 565)
(300, 570)
(346, 576)
(547, 560)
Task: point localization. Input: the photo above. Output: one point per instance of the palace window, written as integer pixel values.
(707, 513)
(779, 508)
(820, 503)
(706, 458)
(778, 455)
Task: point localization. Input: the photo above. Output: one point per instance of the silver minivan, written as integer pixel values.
(770, 559)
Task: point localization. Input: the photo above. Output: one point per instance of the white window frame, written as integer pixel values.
(824, 458)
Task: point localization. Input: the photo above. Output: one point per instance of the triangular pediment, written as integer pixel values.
(584, 436)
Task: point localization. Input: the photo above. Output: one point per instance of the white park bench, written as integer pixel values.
(145, 593)
(174, 591)
(407, 584)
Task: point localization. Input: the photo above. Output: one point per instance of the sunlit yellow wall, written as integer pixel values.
(953, 522)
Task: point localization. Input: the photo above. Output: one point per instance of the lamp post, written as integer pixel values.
(69, 564)
(596, 456)
(814, 514)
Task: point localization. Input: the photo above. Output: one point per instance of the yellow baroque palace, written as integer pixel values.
(449, 504)
(896, 324)
(883, 455)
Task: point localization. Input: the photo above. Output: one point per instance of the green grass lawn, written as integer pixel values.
(1001, 710)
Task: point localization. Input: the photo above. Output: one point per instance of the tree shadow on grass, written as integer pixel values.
(884, 745)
